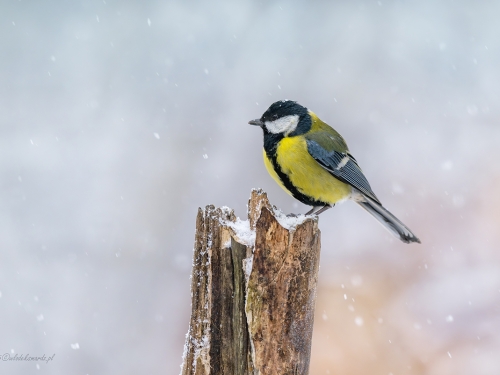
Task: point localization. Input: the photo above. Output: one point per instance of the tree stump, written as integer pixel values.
(253, 292)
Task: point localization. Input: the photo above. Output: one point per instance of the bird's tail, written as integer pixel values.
(388, 220)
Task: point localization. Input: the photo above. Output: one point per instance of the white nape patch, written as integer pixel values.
(285, 124)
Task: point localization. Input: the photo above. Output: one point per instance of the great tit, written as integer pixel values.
(312, 163)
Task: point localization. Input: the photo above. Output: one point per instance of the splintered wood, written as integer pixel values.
(253, 292)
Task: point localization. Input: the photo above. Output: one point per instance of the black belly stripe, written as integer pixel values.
(271, 153)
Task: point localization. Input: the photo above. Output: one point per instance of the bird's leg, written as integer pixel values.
(312, 210)
(319, 209)
(316, 209)
(326, 207)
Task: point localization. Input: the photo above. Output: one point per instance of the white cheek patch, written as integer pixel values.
(285, 125)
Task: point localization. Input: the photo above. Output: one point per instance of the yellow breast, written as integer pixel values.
(305, 174)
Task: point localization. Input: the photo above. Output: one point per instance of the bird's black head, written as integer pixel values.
(285, 117)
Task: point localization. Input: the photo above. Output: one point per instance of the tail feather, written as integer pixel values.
(388, 220)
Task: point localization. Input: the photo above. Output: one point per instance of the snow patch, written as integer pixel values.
(247, 267)
(242, 231)
(289, 222)
(226, 210)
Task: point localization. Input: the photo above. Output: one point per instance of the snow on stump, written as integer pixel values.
(253, 292)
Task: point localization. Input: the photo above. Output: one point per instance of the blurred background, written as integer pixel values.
(118, 119)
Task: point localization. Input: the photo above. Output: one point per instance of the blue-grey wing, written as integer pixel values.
(343, 166)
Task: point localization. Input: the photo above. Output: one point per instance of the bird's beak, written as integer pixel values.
(256, 122)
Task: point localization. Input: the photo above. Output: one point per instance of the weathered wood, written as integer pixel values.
(281, 295)
(252, 295)
(242, 350)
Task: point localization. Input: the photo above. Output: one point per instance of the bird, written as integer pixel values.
(311, 161)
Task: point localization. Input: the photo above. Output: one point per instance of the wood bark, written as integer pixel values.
(253, 292)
